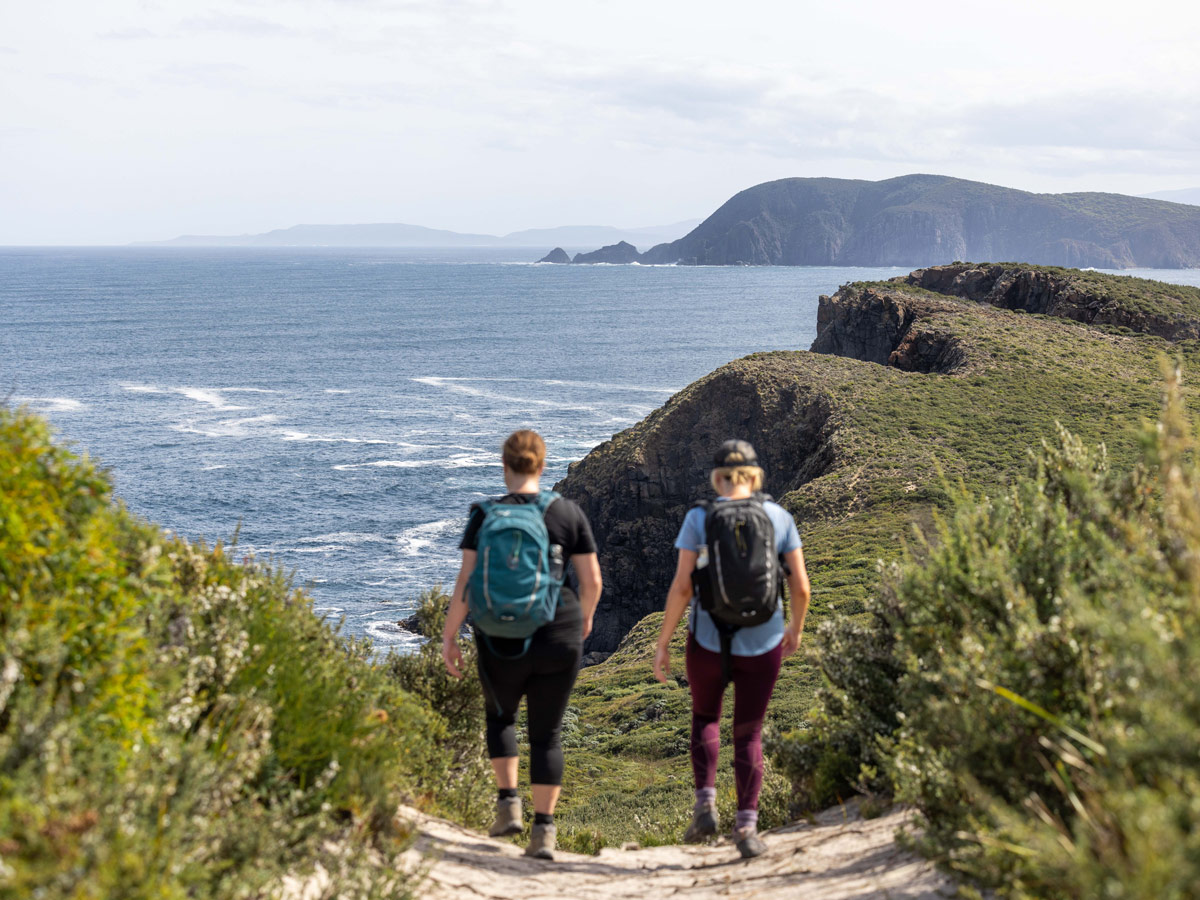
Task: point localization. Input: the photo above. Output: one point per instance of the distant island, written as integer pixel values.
(921, 220)
(417, 236)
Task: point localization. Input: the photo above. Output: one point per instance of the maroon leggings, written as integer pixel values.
(753, 680)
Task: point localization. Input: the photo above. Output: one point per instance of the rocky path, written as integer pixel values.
(839, 856)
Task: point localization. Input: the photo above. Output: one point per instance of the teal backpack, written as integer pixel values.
(517, 581)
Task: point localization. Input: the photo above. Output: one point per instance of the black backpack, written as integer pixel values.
(742, 583)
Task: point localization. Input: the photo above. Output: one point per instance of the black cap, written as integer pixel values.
(735, 453)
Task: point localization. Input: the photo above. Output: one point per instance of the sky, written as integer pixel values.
(125, 120)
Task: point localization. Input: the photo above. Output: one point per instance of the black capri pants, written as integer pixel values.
(544, 676)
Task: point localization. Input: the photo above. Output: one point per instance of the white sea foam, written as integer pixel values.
(245, 390)
(345, 537)
(416, 540)
(461, 461)
(204, 395)
(457, 385)
(336, 391)
(49, 404)
(235, 428)
(307, 438)
(141, 388)
(212, 468)
(392, 635)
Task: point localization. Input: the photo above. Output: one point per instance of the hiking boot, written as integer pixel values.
(704, 824)
(748, 842)
(541, 842)
(508, 818)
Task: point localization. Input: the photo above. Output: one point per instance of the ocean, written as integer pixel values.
(341, 409)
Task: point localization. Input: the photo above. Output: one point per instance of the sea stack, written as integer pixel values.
(557, 255)
(621, 253)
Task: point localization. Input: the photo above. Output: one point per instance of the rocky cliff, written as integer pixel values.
(933, 370)
(1167, 310)
(620, 253)
(637, 488)
(918, 220)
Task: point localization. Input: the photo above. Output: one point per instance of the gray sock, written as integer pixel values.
(747, 820)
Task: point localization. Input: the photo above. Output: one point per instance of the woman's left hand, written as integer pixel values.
(452, 656)
(791, 639)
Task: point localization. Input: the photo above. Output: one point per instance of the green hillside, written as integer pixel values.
(918, 220)
(858, 452)
(174, 719)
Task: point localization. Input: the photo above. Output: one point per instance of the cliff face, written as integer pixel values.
(637, 488)
(928, 219)
(1169, 311)
(931, 366)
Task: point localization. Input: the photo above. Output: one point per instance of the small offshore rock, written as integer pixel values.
(621, 253)
(557, 255)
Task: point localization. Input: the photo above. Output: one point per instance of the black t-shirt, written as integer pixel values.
(566, 526)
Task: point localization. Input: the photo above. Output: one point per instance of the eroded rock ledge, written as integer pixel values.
(1138, 304)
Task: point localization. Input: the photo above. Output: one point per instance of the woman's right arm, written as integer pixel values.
(455, 616)
(678, 597)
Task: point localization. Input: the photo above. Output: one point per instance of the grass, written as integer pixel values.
(900, 443)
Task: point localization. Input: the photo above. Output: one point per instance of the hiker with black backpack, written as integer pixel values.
(735, 553)
(529, 627)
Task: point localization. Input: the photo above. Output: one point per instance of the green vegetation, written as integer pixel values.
(898, 446)
(176, 722)
(1027, 680)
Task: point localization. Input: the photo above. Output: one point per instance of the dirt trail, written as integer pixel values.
(839, 856)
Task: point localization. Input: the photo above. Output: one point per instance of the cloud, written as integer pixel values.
(1131, 122)
(692, 94)
(248, 26)
(204, 74)
(78, 79)
(128, 34)
(710, 108)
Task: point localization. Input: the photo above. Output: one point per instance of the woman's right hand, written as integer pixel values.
(662, 662)
(452, 656)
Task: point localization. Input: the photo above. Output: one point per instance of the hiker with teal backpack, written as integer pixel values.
(735, 555)
(529, 627)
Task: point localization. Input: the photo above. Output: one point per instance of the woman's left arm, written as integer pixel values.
(456, 615)
(800, 591)
(587, 570)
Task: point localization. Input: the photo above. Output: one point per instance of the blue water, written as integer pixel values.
(345, 407)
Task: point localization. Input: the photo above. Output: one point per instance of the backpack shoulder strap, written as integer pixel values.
(545, 499)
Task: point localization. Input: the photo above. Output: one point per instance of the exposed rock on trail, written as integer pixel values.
(840, 856)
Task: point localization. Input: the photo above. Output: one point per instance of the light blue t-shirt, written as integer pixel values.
(753, 640)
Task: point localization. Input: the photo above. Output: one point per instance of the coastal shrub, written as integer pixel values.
(1040, 657)
(462, 786)
(175, 722)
